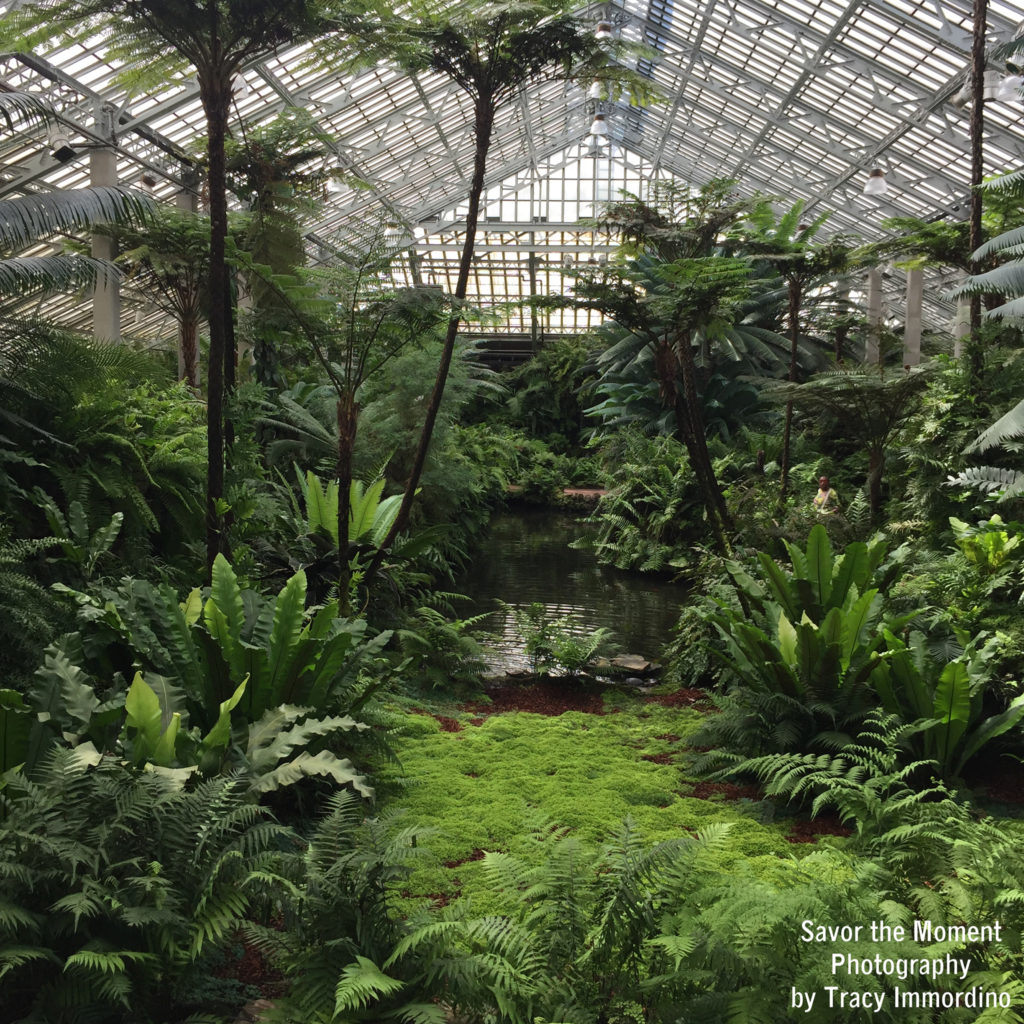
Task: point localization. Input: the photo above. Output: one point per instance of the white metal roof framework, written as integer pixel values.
(796, 98)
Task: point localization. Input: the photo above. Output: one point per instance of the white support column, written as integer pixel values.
(873, 343)
(912, 328)
(106, 295)
(961, 325)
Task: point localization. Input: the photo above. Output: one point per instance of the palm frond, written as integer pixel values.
(23, 106)
(22, 274)
(26, 218)
(1008, 427)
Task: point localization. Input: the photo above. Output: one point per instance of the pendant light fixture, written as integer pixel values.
(603, 32)
(1009, 89)
(599, 127)
(876, 184)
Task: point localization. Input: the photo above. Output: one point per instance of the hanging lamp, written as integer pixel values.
(876, 184)
(1009, 89)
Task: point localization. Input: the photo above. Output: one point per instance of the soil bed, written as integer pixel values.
(544, 697)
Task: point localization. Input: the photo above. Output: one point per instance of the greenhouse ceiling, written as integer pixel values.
(799, 99)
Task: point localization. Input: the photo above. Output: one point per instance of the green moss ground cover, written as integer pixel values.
(488, 782)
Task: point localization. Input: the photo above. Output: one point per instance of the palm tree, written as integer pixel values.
(490, 51)
(786, 244)
(30, 218)
(216, 38)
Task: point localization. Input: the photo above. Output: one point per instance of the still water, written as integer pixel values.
(525, 557)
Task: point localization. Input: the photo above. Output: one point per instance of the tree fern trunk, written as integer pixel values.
(719, 516)
(215, 93)
(347, 413)
(976, 356)
(794, 337)
(484, 124)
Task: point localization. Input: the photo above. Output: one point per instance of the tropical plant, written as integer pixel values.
(490, 54)
(30, 615)
(801, 646)
(444, 652)
(787, 245)
(168, 261)
(645, 520)
(230, 681)
(677, 299)
(369, 516)
(27, 219)
(152, 38)
(210, 646)
(83, 547)
(944, 703)
(116, 885)
(356, 325)
(872, 407)
(1001, 483)
(559, 642)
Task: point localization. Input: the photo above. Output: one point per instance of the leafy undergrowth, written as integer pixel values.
(483, 776)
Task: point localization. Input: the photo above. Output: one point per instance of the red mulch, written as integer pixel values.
(447, 724)
(477, 854)
(439, 899)
(668, 737)
(681, 699)
(706, 790)
(809, 831)
(550, 697)
(659, 758)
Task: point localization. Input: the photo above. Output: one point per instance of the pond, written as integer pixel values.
(525, 557)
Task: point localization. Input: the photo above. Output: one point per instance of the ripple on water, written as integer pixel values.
(525, 557)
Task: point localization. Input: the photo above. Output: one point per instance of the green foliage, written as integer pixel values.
(96, 426)
(552, 643)
(340, 922)
(26, 219)
(369, 517)
(945, 703)
(30, 616)
(443, 652)
(548, 392)
(234, 681)
(646, 520)
(82, 546)
(114, 884)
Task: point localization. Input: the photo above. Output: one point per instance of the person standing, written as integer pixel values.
(826, 501)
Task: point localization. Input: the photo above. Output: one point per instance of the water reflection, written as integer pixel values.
(526, 558)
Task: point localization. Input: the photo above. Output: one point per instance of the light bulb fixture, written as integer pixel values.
(962, 97)
(603, 32)
(990, 88)
(876, 183)
(599, 127)
(1009, 89)
(596, 92)
(60, 145)
(148, 181)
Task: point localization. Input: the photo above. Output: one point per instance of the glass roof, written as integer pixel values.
(794, 98)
